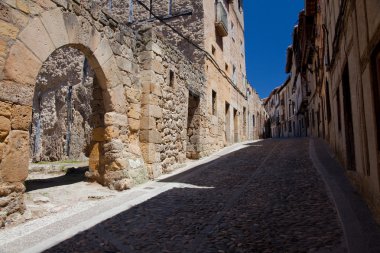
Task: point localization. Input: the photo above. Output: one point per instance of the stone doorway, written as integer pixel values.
(376, 98)
(227, 124)
(193, 127)
(236, 126)
(66, 132)
(67, 107)
(348, 121)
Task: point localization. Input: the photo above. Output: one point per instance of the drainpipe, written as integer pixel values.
(130, 18)
(37, 135)
(69, 120)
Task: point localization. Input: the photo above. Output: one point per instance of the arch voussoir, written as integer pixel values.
(22, 65)
(115, 100)
(55, 26)
(37, 39)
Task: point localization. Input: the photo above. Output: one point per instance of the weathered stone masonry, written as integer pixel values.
(77, 81)
(145, 85)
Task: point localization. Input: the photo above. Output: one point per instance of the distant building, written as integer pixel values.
(334, 69)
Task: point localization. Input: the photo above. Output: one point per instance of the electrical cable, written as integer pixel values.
(208, 55)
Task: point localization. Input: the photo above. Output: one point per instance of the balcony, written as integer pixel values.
(221, 23)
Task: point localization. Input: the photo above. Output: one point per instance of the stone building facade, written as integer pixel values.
(81, 79)
(334, 60)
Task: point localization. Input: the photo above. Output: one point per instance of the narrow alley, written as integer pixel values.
(269, 196)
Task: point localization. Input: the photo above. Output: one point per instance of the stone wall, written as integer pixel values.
(30, 32)
(167, 80)
(187, 18)
(142, 111)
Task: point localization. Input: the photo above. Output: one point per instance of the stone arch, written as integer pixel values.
(55, 29)
(34, 44)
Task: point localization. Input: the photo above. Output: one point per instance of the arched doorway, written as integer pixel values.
(67, 121)
(26, 53)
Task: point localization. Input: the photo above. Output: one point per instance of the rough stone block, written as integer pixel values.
(22, 66)
(15, 163)
(112, 132)
(2, 150)
(114, 146)
(150, 136)
(111, 74)
(150, 99)
(147, 76)
(5, 109)
(5, 11)
(23, 6)
(3, 49)
(134, 111)
(156, 90)
(5, 127)
(148, 123)
(21, 117)
(11, 3)
(16, 93)
(98, 134)
(115, 119)
(72, 26)
(8, 30)
(37, 39)
(103, 52)
(55, 26)
(115, 100)
(157, 49)
(134, 125)
(124, 64)
(95, 39)
(152, 110)
(146, 55)
(19, 18)
(156, 170)
(149, 153)
(157, 67)
(94, 158)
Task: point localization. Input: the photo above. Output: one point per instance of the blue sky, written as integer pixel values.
(268, 32)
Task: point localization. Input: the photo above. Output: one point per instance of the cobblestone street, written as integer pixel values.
(267, 197)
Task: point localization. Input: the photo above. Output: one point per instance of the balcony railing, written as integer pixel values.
(221, 23)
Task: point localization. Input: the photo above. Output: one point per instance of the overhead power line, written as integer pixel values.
(208, 55)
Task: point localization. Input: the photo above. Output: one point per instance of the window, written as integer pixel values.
(233, 31)
(244, 121)
(240, 5)
(214, 104)
(226, 66)
(171, 78)
(213, 50)
(376, 89)
(234, 74)
(242, 49)
(253, 121)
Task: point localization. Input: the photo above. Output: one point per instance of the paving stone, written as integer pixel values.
(259, 199)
